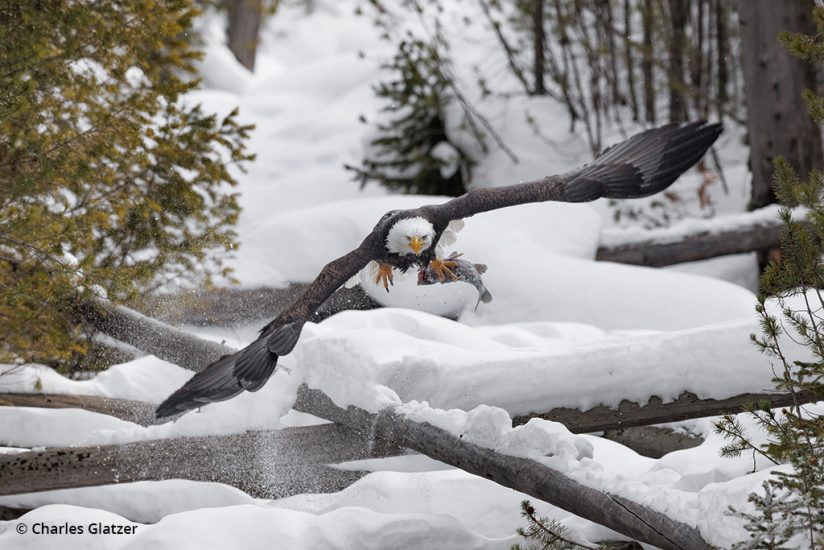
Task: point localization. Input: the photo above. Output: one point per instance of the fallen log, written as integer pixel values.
(700, 245)
(653, 441)
(528, 476)
(109, 319)
(521, 474)
(687, 406)
(150, 335)
(234, 306)
(640, 439)
(9, 513)
(138, 412)
(270, 464)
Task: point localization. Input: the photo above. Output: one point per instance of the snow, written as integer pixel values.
(141, 501)
(144, 379)
(355, 357)
(485, 507)
(562, 330)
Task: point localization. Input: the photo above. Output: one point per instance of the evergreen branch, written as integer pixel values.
(549, 533)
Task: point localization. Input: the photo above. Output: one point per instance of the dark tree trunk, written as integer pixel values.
(696, 62)
(777, 119)
(679, 14)
(608, 20)
(649, 83)
(243, 29)
(539, 44)
(722, 50)
(629, 55)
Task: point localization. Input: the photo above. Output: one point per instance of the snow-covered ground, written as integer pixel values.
(562, 330)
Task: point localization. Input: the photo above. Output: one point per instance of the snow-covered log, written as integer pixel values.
(655, 411)
(693, 240)
(147, 334)
(627, 416)
(138, 412)
(644, 440)
(193, 353)
(526, 475)
(521, 474)
(270, 464)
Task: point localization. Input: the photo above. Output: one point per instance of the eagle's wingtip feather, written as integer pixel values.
(246, 370)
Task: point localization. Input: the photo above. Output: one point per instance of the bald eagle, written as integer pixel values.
(640, 166)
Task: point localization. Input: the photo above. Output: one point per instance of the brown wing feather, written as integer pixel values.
(644, 164)
(249, 368)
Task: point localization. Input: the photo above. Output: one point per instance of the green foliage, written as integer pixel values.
(795, 435)
(793, 502)
(768, 528)
(108, 178)
(543, 533)
(412, 151)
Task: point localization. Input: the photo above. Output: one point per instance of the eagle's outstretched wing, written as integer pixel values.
(249, 368)
(643, 165)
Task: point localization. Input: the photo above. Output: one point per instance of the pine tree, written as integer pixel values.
(108, 180)
(544, 533)
(412, 151)
(768, 527)
(796, 435)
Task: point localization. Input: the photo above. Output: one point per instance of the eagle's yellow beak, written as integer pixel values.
(416, 244)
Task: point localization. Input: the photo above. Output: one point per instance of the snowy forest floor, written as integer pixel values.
(561, 327)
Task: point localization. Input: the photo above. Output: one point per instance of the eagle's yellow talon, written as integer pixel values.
(384, 276)
(443, 268)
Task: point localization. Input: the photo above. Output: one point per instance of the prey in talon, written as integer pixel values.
(452, 270)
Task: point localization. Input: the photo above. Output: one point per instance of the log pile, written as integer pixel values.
(353, 431)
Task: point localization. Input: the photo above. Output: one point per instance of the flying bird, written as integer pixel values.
(644, 164)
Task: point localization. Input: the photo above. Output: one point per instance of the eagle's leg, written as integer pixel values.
(443, 269)
(384, 275)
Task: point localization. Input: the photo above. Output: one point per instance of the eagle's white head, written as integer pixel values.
(410, 236)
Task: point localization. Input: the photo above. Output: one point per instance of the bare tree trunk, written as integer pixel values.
(243, 30)
(710, 61)
(647, 67)
(679, 15)
(696, 63)
(722, 50)
(630, 60)
(539, 44)
(777, 119)
(608, 20)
